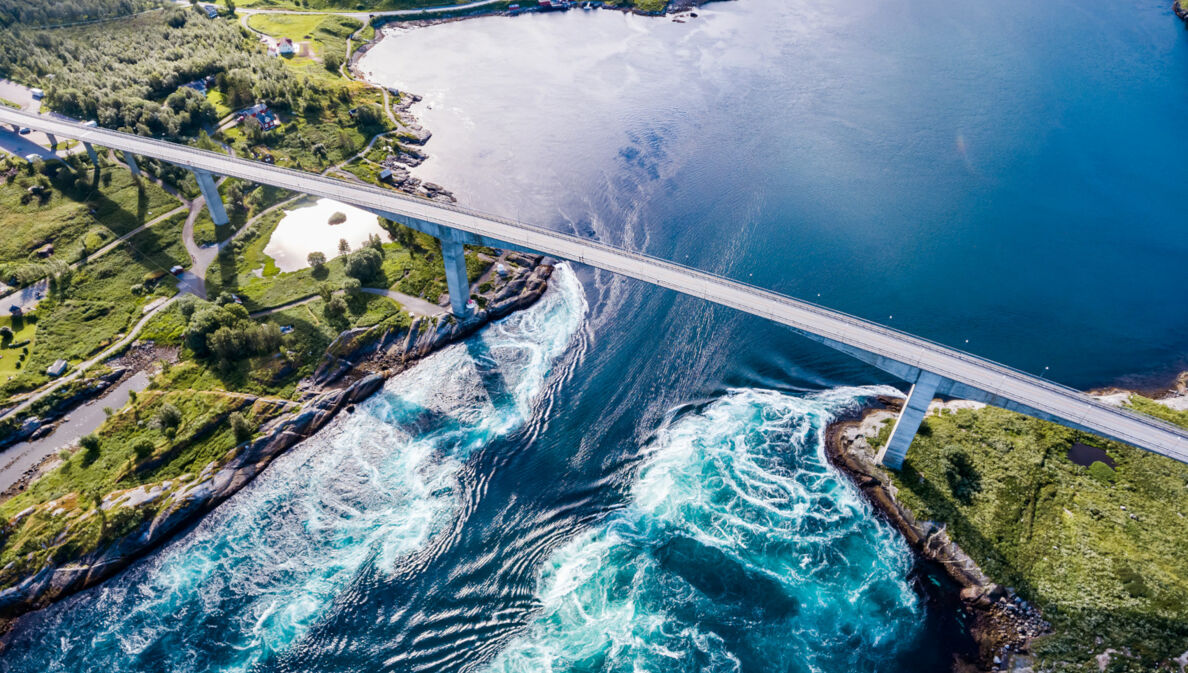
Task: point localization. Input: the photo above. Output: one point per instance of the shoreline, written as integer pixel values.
(355, 366)
(1001, 624)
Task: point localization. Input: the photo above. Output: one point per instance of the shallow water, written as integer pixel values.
(308, 229)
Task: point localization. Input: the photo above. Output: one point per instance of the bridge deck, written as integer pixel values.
(1046, 397)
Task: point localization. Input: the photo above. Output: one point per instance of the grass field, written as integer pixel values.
(1100, 550)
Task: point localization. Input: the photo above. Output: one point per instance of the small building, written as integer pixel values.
(211, 11)
(286, 48)
(37, 94)
(286, 329)
(57, 369)
(385, 175)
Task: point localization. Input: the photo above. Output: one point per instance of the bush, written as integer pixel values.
(6, 335)
(963, 478)
(316, 259)
(91, 445)
(168, 417)
(365, 264)
(143, 449)
(336, 307)
(337, 218)
(352, 287)
(241, 427)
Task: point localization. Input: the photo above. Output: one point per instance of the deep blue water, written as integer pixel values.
(623, 480)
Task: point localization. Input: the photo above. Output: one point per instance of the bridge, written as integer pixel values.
(931, 368)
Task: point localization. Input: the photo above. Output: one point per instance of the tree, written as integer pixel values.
(6, 335)
(365, 264)
(343, 246)
(231, 7)
(373, 241)
(227, 344)
(316, 259)
(368, 115)
(336, 307)
(352, 287)
(325, 291)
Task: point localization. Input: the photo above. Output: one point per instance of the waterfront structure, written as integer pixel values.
(931, 368)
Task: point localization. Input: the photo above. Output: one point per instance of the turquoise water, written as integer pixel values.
(619, 479)
(727, 559)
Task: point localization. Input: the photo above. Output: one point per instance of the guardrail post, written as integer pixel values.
(132, 167)
(894, 452)
(454, 255)
(91, 153)
(210, 191)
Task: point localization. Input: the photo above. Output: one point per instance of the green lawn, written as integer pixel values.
(1100, 551)
(72, 216)
(24, 334)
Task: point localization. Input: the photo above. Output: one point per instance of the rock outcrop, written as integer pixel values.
(354, 367)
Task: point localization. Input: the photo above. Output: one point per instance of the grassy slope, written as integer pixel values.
(1102, 555)
(99, 304)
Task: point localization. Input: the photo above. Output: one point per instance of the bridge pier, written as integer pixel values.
(453, 254)
(132, 167)
(210, 191)
(91, 153)
(894, 452)
(53, 140)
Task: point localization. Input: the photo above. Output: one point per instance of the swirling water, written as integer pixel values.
(638, 485)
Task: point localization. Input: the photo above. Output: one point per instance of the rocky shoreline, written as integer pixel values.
(354, 367)
(1002, 624)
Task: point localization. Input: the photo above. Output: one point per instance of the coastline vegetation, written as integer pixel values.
(1094, 547)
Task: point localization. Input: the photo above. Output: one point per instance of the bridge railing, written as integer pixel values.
(250, 168)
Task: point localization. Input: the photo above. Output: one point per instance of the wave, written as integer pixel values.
(368, 490)
(740, 549)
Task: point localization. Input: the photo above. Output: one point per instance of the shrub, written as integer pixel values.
(336, 307)
(6, 335)
(143, 448)
(316, 259)
(352, 287)
(168, 417)
(241, 427)
(91, 445)
(337, 218)
(963, 478)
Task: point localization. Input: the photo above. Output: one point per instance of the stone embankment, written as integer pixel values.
(354, 367)
(1002, 623)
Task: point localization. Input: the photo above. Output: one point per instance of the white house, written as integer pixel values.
(286, 48)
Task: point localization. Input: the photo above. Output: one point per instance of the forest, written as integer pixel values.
(59, 12)
(138, 86)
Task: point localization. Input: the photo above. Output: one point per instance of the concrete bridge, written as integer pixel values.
(931, 368)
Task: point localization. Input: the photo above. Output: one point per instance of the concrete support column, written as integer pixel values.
(91, 153)
(893, 454)
(210, 191)
(454, 255)
(132, 167)
(53, 140)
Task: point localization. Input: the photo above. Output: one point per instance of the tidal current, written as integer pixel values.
(618, 479)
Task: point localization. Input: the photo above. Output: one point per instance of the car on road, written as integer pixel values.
(25, 130)
(177, 270)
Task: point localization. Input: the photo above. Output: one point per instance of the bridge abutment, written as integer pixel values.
(919, 397)
(453, 254)
(210, 191)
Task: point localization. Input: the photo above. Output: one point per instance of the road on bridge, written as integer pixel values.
(861, 338)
